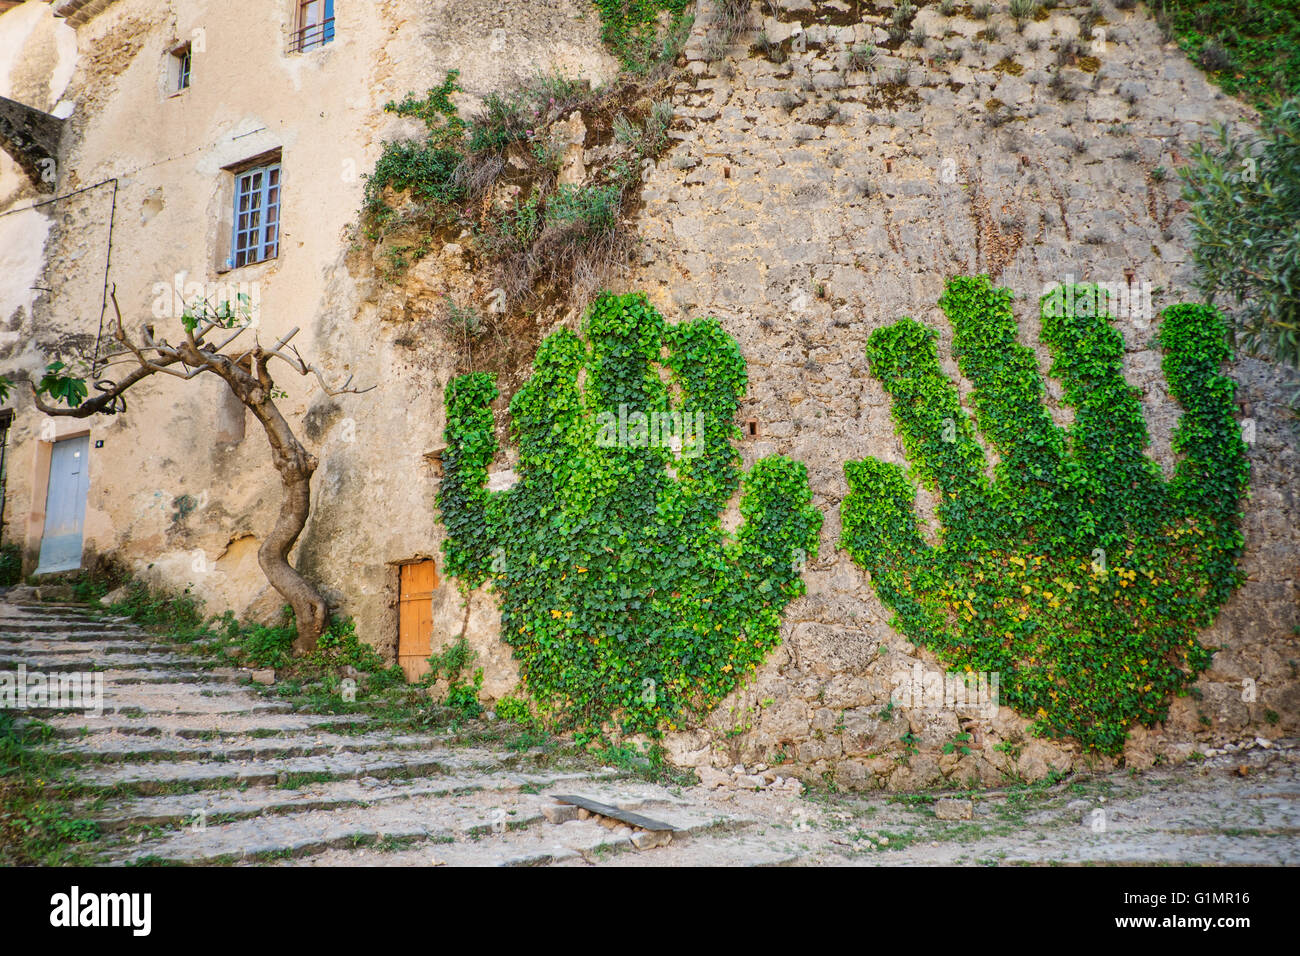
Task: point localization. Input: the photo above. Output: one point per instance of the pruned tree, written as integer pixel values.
(212, 331)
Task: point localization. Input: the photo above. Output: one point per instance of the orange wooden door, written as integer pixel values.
(415, 617)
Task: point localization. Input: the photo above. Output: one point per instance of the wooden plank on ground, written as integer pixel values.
(624, 816)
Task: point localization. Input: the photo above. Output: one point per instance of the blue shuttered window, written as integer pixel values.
(315, 25)
(257, 215)
(184, 59)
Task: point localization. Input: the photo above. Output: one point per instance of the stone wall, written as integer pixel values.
(809, 203)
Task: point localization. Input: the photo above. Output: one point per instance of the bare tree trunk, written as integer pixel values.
(296, 466)
(249, 379)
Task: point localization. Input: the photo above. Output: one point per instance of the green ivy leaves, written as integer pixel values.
(624, 599)
(629, 27)
(425, 168)
(1077, 572)
(470, 446)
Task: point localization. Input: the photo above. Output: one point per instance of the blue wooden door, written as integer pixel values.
(65, 506)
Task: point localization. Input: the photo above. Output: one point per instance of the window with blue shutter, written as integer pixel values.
(315, 25)
(184, 59)
(257, 215)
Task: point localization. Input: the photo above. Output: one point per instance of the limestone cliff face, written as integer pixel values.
(805, 202)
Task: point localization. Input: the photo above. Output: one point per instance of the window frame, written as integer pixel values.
(300, 41)
(180, 68)
(267, 206)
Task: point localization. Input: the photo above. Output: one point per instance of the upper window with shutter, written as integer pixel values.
(315, 25)
(179, 64)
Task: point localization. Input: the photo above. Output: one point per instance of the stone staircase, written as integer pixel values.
(187, 764)
(191, 764)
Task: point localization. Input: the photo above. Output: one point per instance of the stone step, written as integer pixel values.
(49, 625)
(538, 844)
(11, 625)
(200, 725)
(149, 778)
(70, 662)
(428, 819)
(182, 689)
(173, 696)
(443, 823)
(18, 649)
(113, 747)
(85, 641)
(172, 699)
(88, 649)
(30, 624)
(126, 709)
(11, 637)
(220, 806)
(47, 608)
(146, 676)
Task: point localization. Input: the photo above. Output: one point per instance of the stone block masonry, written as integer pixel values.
(809, 202)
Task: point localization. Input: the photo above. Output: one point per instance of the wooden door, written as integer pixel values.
(415, 617)
(65, 506)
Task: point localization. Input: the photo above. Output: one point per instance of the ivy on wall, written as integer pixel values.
(1076, 572)
(427, 169)
(642, 32)
(624, 599)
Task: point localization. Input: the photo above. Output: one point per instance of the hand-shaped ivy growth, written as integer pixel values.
(1076, 572)
(622, 595)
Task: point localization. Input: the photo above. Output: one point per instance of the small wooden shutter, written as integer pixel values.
(415, 617)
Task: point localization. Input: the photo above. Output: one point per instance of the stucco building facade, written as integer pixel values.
(166, 108)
